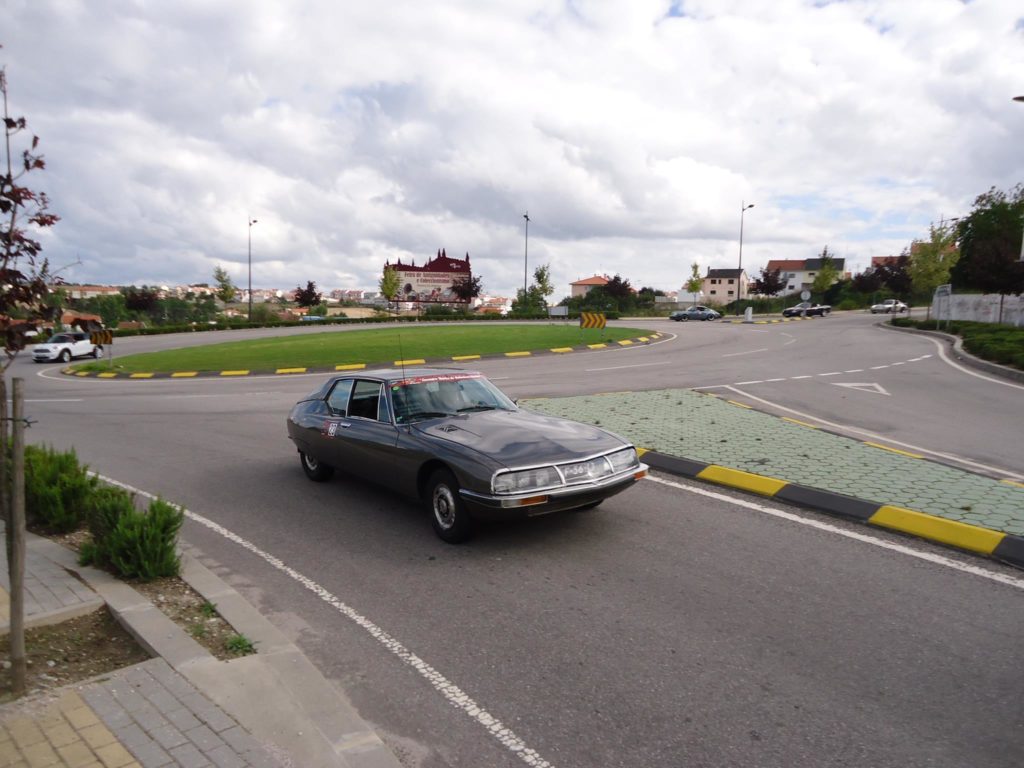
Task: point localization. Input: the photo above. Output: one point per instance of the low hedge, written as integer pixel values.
(1003, 344)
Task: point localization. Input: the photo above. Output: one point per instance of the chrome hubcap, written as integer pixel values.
(311, 463)
(444, 506)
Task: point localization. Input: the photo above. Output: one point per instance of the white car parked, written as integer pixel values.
(889, 306)
(64, 346)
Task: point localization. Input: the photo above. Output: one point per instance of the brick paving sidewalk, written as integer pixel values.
(146, 715)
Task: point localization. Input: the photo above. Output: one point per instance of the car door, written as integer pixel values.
(365, 439)
(80, 345)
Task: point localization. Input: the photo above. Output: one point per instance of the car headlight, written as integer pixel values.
(625, 459)
(527, 480)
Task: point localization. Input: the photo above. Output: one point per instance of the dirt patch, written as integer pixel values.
(71, 651)
(96, 644)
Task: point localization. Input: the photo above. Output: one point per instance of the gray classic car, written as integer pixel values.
(454, 440)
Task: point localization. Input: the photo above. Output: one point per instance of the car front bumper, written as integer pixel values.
(503, 507)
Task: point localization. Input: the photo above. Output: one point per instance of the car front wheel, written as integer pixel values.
(448, 513)
(315, 469)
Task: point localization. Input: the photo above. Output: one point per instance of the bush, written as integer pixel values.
(135, 545)
(998, 343)
(57, 489)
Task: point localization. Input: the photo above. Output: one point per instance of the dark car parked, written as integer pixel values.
(695, 313)
(454, 440)
(807, 308)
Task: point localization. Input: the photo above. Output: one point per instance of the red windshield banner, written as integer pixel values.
(436, 377)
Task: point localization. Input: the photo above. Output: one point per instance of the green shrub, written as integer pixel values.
(57, 489)
(106, 506)
(137, 545)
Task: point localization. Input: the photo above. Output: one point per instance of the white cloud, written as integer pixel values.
(630, 131)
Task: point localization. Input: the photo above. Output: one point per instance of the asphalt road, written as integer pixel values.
(676, 625)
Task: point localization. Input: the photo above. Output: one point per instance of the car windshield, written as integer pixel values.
(60, 338)
(430, 397)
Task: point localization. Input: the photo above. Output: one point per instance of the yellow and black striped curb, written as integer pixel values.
(640, 340)
(1005, 547)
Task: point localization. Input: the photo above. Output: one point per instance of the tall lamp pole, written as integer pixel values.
(1021, 99)
(251, 222)
(526, 248)
(739, 272)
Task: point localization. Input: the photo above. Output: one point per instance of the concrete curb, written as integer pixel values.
(961, 355)
(1005, 547)
(276, 694)
(140, 376)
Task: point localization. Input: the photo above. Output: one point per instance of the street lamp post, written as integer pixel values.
(251, 222)
(739, 272)
(1021, 259)
(526, 248)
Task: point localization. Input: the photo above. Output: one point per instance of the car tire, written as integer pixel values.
(65, 355)
(315, 470)
(97, 352)
(448, 514)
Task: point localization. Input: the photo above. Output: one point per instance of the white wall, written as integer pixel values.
(984, 309)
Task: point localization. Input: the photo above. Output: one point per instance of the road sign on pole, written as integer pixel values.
(592, 320)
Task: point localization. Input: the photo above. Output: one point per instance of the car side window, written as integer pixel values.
(384, 410)
(365, 399)
(337, 399)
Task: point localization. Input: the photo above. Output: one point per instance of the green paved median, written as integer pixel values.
(370, 347)
(704, 428)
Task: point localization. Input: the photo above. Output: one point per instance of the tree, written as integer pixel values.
(308, 296)
(144, 300)
(931, 260)
(895, 276)
(467, 288)
(990, 244)
(696, 282)
(827, 273)
(23, 285)
(389, 284)
(770, 282)
(534, 301)
(112, 309)
(226, 290)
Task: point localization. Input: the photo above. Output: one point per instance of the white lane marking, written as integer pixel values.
(737, 354)
(1000, 578)
(617, 367)
(843, 428)
(900, 363)
(872, 387)
(945, 359)
(745, 382)
(802, 377)
(878, 367)
(768, 381)
(455, 695)
(831, 373)
(855, 370)
(57, 400)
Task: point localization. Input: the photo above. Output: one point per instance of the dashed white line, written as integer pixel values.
(617, 367)
(878, 367)
(750, 352)
(767, 381)
(455, 696)
(802, 377)
(855, 370)
(831, 373)
(750, 382)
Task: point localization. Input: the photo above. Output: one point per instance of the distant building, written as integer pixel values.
(721, 286)
(86, 291)
(583, 287)
(799, 274)
(431, 283)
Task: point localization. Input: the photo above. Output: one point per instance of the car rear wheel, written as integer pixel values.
(96, 352)
(448, 513)
(315, 470)
(65, 356)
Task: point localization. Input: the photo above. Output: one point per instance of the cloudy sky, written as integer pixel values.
(631, 131)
